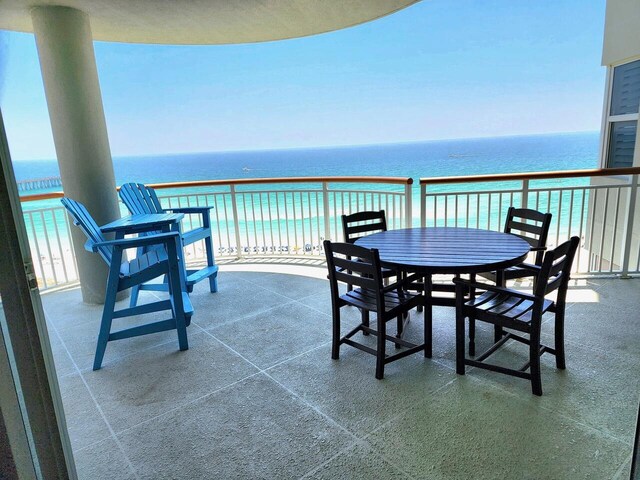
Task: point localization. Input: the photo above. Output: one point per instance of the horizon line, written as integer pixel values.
(319, 147)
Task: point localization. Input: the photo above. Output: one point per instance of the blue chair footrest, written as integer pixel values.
(194, 276)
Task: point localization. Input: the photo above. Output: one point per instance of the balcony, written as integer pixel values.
(258, 396)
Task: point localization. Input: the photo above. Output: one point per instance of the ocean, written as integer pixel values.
(50, 242)
(418, 159)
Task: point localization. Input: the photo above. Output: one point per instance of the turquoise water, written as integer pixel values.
(420, 159)
(416, 160)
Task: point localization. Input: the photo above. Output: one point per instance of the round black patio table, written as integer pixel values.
(445, 250)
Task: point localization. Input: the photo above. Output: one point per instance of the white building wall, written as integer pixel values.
(621, 32)
(621, 45)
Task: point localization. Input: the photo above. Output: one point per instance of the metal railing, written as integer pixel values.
(279, 217)
(599, 206)
(285, 217)
(51, 248)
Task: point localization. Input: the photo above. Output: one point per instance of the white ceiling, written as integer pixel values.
(207, 22)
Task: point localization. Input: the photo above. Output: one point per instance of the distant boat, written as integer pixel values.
(460, 155)
(246, 169)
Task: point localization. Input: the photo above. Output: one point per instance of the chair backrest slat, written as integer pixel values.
(529, 214)
(357, 280)
(359, 224)
(139, 198)
(530, 225)
(365, 272)
(368, 228)
(87, 224)
(526, 227)
(354, 265)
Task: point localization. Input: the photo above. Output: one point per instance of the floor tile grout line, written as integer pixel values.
(206, 332)
(592, 347)
(190, 402)
(623, 466)
(95, 402)
(210, 334)
(111, 430)
(264, 370)
(313, 308)
(399, 414)
(186, 404)
(80, 372)
(249, 315)
(330, 459)
(391, 462)
(382, 454)
(262, 286)
(117, 359)
(265, 373)
(124, 356)
(278, 293)
(161, 343)
(361, 443)
(77, 372)
(113, 434)
(259, 371)
(358, 440)
(282, 362)
(313, 407)
(561, 414)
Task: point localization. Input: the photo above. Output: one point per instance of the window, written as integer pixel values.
(623, 115)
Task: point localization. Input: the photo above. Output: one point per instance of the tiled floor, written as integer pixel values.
(257, 395)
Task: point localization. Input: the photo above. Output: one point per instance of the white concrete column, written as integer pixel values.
(68, 64)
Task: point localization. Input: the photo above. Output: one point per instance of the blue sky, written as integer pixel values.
(439, 69)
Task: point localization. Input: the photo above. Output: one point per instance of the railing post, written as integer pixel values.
(525, 193)
(628, 234)
(423, 204)
(408, 202)
(236, 222)
(326, 211)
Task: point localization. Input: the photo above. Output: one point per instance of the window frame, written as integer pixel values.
(608, 120)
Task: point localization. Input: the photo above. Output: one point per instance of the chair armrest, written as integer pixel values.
(402, 283)
(124, 243)
(187, 210)
(529, 266)
(494, 288)
(392, 287)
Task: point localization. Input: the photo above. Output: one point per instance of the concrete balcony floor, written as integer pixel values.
(258, 396)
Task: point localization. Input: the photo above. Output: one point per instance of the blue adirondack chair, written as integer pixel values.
(142, 199)
(124, 274)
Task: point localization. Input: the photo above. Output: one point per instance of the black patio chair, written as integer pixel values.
(521, 312)
(533, 227)
(364, 223)
(360, 267)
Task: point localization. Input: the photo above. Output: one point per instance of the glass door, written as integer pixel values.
(32, 422)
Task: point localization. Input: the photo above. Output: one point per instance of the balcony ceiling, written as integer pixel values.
(207, 22)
